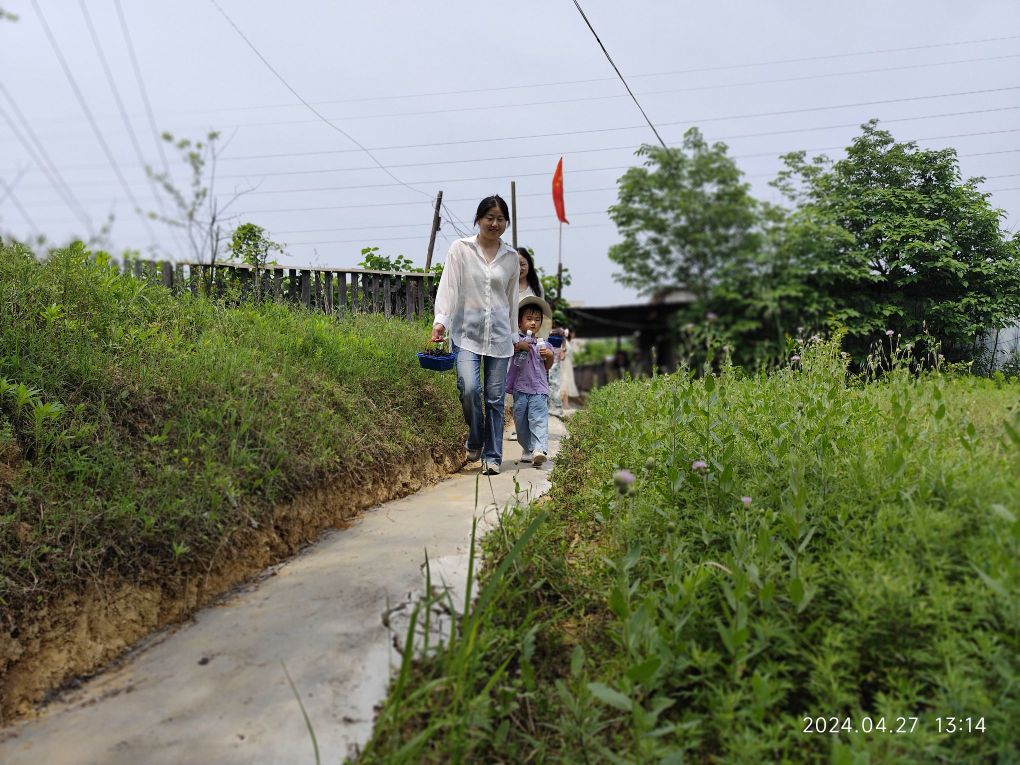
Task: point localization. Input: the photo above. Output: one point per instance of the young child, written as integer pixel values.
(528, 381)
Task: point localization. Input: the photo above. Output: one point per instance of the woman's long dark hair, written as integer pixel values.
(488, 203)
(532, 277)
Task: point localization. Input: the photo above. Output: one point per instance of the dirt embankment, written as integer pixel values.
(79, 633)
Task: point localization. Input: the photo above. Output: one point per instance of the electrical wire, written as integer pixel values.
(41, 157)
(128, 126)
(88, 114)
(696, 70)
(129, 45)
(627, 147)
(9, 194)
(311, 108)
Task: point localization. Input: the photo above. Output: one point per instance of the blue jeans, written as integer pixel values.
(531, 415)
(485, 428)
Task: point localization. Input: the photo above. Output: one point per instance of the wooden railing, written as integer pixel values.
(333, 291)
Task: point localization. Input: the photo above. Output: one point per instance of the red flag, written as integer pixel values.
(557, 189)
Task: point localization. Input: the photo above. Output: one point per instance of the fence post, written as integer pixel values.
(376, 294)
(168, 274)
(354, 292)
(387, 296)
(306, 287)
(341, 302)
(327, 305)
(409, 283)
(318, 292)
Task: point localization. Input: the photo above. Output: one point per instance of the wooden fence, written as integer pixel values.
(332, 291)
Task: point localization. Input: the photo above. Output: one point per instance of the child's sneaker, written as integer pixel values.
(526, 457)
(539, 458)
(490, 468)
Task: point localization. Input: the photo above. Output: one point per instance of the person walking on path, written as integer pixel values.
(568, 387)
(477, 302)
(528, 381)
(528, 283)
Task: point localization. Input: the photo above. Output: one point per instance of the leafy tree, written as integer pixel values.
(199, 212)
(684, 218)
(892, 237)
(373, 261)
(551, 292)
(250, 245)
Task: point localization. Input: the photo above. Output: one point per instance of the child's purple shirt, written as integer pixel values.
(531, 375)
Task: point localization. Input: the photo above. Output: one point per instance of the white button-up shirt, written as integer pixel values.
(477, 300)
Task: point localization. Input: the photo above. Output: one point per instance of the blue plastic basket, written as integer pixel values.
(555, 340)
(437, 363)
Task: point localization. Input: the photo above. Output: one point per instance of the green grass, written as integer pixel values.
(140, 430)
(874, 573)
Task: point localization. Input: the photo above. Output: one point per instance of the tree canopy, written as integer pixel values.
(889, 237)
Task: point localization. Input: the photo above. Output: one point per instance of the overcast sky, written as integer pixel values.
(467, 96)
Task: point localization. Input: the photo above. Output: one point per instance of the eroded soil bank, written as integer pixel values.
(79, 633)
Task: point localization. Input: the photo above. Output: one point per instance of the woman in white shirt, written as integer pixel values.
(528, 283)
(477, 303)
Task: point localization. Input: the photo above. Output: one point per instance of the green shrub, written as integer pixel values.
(792, 546)
(141, 429)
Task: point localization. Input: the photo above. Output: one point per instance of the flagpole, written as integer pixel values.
(559, 268)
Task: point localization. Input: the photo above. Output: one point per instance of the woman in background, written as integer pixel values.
(528, 284)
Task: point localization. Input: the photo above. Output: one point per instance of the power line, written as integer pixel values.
(13, 184)
(601, 211)
(88, 114)
(120, 105)
(687, 121)
(141, 85)
(630, 147)
(39, 155)
(9, 193)
(312, 109)
(400, 238)
(583, 170)
(747, 155)
(756, 134)
(695, 70)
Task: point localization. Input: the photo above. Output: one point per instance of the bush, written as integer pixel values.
(799, 545)
(140, 429)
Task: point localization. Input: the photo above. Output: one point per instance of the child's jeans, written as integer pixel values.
(531, 414)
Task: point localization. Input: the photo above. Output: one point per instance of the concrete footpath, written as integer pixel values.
(214, 690)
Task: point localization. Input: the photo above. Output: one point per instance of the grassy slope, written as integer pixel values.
(874, 573)
(172, 421)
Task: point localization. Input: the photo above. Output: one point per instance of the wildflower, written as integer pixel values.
(624, 479)
(889, 333)
(710, 317)
(844, 355)
(699, 466)
(688, 327)
(795, 358)
(816, 338)
(745, 501)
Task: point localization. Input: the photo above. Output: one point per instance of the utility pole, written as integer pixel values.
(513, 211)
(435, 228)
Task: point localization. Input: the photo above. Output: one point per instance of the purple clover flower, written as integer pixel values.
(699, 466)
(795, 358)
(889, 333)
(745, 501)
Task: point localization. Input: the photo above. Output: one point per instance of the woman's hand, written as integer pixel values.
(438, 333)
